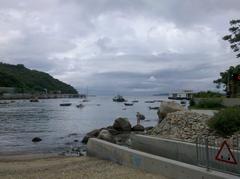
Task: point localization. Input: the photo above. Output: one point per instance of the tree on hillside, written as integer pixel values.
(229, 81)
(234, 37)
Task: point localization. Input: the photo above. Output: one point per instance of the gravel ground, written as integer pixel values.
(32, 167)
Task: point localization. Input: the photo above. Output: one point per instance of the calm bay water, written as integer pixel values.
(60, 126)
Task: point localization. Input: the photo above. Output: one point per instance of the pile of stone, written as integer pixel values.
(182, 125)
(168, 107)
(118, 133)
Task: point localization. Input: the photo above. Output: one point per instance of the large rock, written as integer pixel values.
(122, 124)
(105, 135)
(113, 131)
(91, 134)
(148, 128)
(168, 107)
(122, 139)
(138, 127)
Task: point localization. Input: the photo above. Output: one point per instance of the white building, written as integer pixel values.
(185, 94)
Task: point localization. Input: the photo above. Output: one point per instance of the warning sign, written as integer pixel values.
(225, 154)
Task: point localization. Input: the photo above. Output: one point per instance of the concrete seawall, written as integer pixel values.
(150, 163)
(172, 149)
(181, 151)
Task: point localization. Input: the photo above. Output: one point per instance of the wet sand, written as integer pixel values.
(59, 167)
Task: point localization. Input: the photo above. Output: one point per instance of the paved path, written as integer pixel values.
(201, 111)
(67, 168)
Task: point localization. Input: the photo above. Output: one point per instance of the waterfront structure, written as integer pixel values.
(185, 94)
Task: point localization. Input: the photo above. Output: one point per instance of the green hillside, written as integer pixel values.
(26, 80)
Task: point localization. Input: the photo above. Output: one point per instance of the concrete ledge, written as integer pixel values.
(171, 149)
(150, 163)
(181, 151)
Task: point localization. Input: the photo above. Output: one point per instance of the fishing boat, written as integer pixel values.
(153, 108)
(158, 101)
(118, 98)
(65, 104)
(149, 101)
(128, 104)
(80, 106)
(135, 101)
(86, 97)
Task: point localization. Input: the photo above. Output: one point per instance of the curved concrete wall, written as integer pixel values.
(150, 163)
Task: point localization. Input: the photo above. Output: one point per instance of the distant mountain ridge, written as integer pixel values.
(30, 81)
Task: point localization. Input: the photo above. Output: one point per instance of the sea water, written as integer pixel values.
(62, 127)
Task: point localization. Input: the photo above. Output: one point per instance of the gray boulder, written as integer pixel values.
(113, 131)
(148, 128)
(168, 107)
(122, 124)
(122, 139)
(91, 134)
(138, 127)
(105, 135)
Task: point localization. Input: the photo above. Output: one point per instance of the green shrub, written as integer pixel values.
(192, 102)
(226, 122)
(210, 103)
(208, 94)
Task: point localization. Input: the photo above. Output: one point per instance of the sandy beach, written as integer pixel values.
(57, 167)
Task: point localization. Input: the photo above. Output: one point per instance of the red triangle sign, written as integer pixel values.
(225, 154)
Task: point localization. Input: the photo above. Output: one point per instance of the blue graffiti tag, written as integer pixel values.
(136, 160)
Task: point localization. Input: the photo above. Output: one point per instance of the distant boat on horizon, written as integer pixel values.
(119, 98)
(65, 104)
(135, 101)
(80, 106)
(153, 108)
(128, 104)
(149, 101)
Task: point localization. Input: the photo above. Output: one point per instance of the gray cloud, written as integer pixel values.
(138, 46)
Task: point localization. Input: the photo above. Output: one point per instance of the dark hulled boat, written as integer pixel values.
(118, 98)
(65, 104)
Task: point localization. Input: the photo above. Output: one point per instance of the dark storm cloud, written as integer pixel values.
(126, 46)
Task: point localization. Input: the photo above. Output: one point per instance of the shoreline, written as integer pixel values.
(23, 156)
(31, 96)
(48, 166)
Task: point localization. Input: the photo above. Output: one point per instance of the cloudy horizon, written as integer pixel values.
(127, 47)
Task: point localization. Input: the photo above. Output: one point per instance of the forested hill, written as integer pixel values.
(26, 80)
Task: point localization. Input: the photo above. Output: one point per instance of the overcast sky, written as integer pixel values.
(121, 46)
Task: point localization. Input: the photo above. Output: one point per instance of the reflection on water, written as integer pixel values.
(60, 126)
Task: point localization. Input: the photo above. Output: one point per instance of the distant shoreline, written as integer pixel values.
(19, 96)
